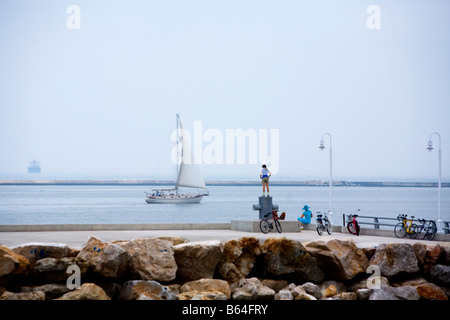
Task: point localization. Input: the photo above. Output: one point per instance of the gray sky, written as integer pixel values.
(100, 101)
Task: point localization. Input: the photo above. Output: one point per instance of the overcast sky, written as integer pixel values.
(95, 94)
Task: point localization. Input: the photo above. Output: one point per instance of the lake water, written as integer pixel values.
(125, 204)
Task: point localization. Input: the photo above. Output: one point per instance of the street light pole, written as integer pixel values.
(321, 147)
(430, 147)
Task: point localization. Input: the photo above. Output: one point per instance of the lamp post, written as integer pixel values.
(430, 147)
(321, 147)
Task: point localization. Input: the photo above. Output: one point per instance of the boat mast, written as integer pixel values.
(178, 141)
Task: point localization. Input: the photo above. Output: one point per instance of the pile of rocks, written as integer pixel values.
(172, 268)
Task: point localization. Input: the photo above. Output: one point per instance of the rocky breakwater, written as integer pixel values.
(173, 268)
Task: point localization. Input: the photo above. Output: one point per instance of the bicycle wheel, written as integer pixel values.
(413, 231)
(277, 225)
(422, 231)
(352, 228)
(399, 230)
(357, 228)
(319, 228)
(329, 227)
(264, 226)
(431, 231)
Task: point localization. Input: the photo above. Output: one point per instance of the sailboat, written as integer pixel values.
(188, 176)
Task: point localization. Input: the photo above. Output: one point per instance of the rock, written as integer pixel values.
(430, 291)
(390, 293)
(395, 258)
(284, 294)
(432, 255)
(206, 286)
(312, 289)
(238, 258)
(87, 291)
(420, 251)
(346, 296)
(12, 263)
(275, 285)
(145, 290)
(195, 295)
(369, 282)
(411, 282)
(339, 259)
(299, 293)
(440, 274)
(38, 295)
(445, 255)
(40, 250)
(51, 290)
(288, 259)
(151, 259)
(49, 270)
(364, 294)
(407, 293)
(197, 260)
(251, 289)
(331, 288)
(104, 258)
(174, 240)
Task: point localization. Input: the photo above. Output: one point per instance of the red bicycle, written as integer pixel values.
(353, 226)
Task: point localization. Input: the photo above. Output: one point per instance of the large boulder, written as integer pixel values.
(145, 290)
(39, 250)
(104, 258)
(12, 263)
(88, 291)
(197, 260)
(440, 274)
(395, 259)
(430, 291)
(339, 259)
(52, 270)
(238, 258)
(151, 259)
(288, 259)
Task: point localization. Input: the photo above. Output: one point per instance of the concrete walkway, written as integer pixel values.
(76, 239)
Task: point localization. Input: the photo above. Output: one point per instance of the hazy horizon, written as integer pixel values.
(93, 93)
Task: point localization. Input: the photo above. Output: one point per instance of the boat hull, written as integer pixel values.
(174, 199)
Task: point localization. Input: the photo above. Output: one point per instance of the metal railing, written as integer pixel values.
(346, 218)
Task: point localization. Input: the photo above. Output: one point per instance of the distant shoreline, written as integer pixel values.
(309, 183)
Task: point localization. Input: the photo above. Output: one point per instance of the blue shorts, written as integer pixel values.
(304, 221)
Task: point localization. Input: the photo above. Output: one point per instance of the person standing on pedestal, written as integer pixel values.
(265, 175)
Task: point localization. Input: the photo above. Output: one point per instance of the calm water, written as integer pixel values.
(125, 204)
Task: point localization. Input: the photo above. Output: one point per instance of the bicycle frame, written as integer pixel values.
(353, 226)
(408, 228)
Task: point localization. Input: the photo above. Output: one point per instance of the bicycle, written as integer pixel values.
(323, 224)
(353, 226)
(403, 228)
(266, 225)
(427, 229)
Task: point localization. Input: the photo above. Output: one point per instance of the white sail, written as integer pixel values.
(189, 174)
